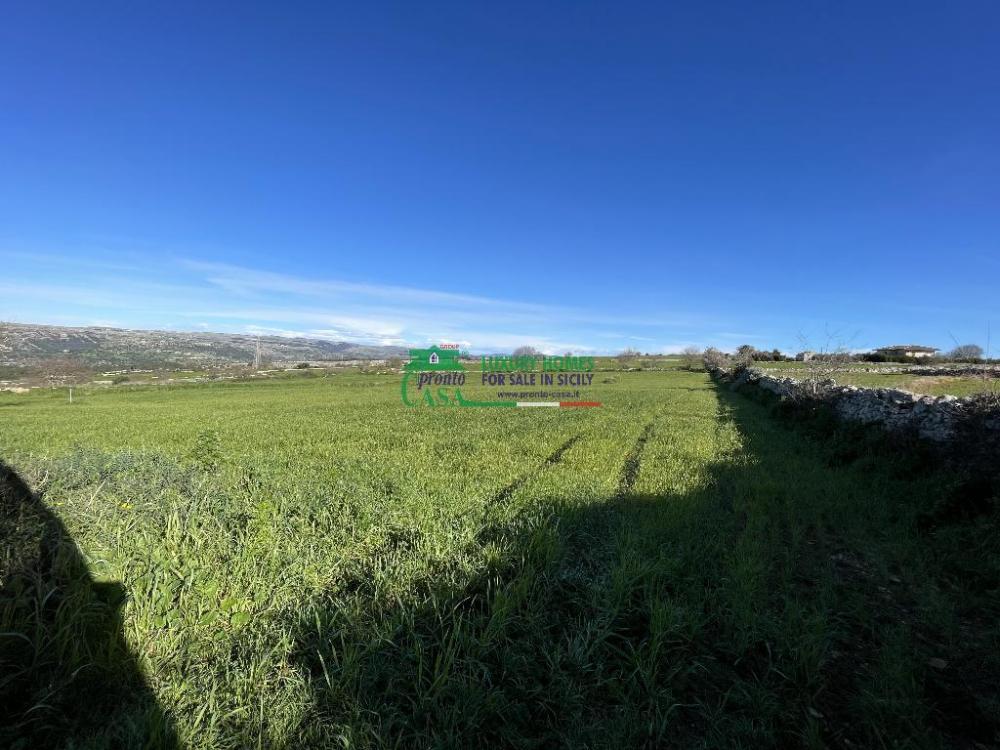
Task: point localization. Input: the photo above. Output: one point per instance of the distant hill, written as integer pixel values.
(29, 345)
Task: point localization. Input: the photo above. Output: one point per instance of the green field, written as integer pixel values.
(930, 385)
(305, 562)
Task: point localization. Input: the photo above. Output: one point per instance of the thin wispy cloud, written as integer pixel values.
(184, 293)
(259, 284)
(250, 282)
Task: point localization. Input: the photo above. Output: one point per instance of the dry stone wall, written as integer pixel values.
(956, 370)
(939, 419)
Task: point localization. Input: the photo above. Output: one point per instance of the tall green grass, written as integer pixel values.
(307, 563)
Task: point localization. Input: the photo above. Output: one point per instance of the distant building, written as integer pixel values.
(904, 351)
(804, 356)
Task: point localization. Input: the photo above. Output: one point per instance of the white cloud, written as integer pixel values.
(197, 295)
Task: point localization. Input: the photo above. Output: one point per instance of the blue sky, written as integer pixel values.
(569, 175)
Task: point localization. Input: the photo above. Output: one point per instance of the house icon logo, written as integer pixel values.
(439, 376)
(434, 359)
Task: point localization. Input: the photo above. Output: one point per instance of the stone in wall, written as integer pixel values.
(934, 418)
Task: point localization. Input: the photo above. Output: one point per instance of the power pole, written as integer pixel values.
(256, 356)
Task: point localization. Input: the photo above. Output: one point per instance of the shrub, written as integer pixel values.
(714, 359)
(207, 450)
(966, 352)
(691, 355)
(744, 357)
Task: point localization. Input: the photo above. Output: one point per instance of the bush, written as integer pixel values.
(744, 357)
(691, 355)
(966, 353)
(526, 351)
(714, 359)
(207, 450)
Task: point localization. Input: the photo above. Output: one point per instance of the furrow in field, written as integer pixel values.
(630, 470)
(504, 495)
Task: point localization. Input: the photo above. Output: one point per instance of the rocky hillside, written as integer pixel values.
(32, 345)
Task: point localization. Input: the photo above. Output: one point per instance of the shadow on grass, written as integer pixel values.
(67, 677)
(728, 615)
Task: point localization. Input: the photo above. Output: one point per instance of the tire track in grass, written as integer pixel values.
(504, 495)
(492, 531)
(633, 460)
(396, 541)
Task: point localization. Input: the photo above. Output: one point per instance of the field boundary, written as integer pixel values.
(943, 420)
